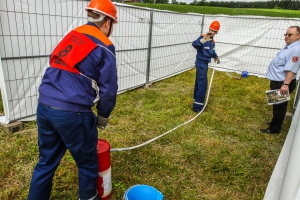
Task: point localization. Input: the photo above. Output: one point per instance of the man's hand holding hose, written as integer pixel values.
(217, 60)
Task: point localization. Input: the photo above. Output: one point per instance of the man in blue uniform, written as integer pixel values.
(205, 46)
(282, 73)
(82, 68)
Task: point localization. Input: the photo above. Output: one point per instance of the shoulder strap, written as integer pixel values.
(95, 32)
(73, 48)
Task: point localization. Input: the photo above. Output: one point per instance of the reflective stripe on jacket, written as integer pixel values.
(205, 51)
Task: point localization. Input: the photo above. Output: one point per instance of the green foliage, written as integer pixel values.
(225, 11)
(154, 2)
(174, 2)
(286, 4)
(219, 155)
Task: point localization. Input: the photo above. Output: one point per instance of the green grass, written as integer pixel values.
(219, 156)
(222, 10)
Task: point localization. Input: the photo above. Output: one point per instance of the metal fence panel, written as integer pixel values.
(29, 30)
(130, 37)
(171, 50)
(249, 43)
(150, 44)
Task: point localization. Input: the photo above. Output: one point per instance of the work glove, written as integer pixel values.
(206, 38)
(102, 122)
(217, 60)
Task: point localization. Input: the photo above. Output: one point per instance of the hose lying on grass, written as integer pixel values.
(149, 141)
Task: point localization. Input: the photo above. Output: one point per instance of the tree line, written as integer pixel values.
(284, 4)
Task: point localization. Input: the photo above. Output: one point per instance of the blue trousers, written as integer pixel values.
(59, 130)
(200, 86)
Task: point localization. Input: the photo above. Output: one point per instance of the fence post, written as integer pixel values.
(297, 95)
(3, 117)
(202, 24)
(149, 46)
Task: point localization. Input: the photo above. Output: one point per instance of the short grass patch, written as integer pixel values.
(219, 156)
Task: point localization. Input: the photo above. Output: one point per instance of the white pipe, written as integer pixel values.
(149, 141)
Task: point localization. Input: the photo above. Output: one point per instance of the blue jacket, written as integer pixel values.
(74, 92)
(205, 51)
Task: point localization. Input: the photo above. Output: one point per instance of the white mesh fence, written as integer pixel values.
(150, 44)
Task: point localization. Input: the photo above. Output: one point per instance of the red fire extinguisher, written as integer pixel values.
(104, 184)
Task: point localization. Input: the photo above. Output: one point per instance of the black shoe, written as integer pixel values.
(267, 130)
(197, 110)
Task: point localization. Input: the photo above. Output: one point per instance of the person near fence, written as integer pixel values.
(282, 73)
(82, 68)
(205, 46)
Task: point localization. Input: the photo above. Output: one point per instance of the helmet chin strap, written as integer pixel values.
(111, 23)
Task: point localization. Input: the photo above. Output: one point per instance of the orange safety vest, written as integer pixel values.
(75, 46)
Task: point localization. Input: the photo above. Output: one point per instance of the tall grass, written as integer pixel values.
(219, 155)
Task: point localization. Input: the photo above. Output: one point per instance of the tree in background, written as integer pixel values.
(162, 1)
(284, 4)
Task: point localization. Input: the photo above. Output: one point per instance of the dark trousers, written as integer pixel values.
(59, 130)
(200, 86)
(279, 110)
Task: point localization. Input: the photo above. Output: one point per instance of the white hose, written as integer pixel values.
(149, 141)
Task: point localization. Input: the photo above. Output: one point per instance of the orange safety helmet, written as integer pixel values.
(215, 26)
(104, 7)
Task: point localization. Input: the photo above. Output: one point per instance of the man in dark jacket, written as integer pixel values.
(205, 46)
(82, 68)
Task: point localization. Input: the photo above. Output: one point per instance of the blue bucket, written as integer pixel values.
(244, 74)
(143, 192)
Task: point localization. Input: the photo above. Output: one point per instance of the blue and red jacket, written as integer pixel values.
(85, 54)
(205, 51)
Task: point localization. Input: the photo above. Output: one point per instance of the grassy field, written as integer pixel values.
(225, 11)
(219, 156)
